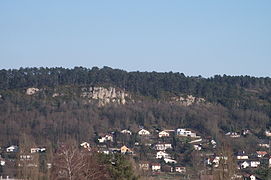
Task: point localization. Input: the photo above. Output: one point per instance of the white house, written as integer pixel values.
(197, 147)
(233, 134)
(163, 134)
(156, 167)
(12, 148)
(26, 157)
(244, 165)
(252, 177)
(37, 150)
(242, 156)
(265, 145)
(144, 132)
(85, 145)
(34, 150)
(125, 131)
(105, 138)
(268, 133)
(172, 161)
(2, 162)
(216, 160)
(161, 154)
(255, 164)
(180, 169)
(162, 147)
(184, 132)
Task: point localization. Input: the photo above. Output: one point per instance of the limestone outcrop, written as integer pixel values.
(188, 100)
(105, 95)
(31, 91)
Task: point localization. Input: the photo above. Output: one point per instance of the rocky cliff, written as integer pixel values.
(188, 100)
(105, 95)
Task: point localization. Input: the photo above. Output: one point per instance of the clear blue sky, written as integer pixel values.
(196, 37)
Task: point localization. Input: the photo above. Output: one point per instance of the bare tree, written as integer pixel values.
(70, 163)
(67, 163)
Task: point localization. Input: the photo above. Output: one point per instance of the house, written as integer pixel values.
(216, 160)
(172, 161)
(265, 145)
(252, 177)
(246, 132)
(242, 156)
(85, 145)
(261, 154)
(26, 157)
(161, 154)
(180, 169)
(163, 134)
(233, 134)
(105, 138)
(197, 147)
(125, 131)
(2, 162)
(125, 150)
(184, 132)
(156, 167)
(244, 165)
(34, 150)
(144, 132)
(162, 147)
(268, 133)
(255, 164)
(12, 148)
(104, 151)
(144, 166)
(37, 150)
(213, 142)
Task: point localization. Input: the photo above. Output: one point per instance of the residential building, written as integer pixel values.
(125, 131)
(162, 147)
(163, 134)
(156, 167)
(144, 132)
(161, 154)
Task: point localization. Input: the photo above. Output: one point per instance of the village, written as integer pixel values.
(161, 153)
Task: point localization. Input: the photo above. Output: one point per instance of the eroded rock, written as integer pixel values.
(105, 95)
(32, 90)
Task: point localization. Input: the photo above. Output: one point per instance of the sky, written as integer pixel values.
(195, 37)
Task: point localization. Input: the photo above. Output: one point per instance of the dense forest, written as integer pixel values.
(232, 103)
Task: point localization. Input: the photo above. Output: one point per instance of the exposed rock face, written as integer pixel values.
(189, 100)
(105, 95)
(55, 95)
(31, 91)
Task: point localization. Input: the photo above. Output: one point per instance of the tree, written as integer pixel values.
(70, 163)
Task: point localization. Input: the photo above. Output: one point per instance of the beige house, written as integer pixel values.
(163, 134)
(125, 150)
